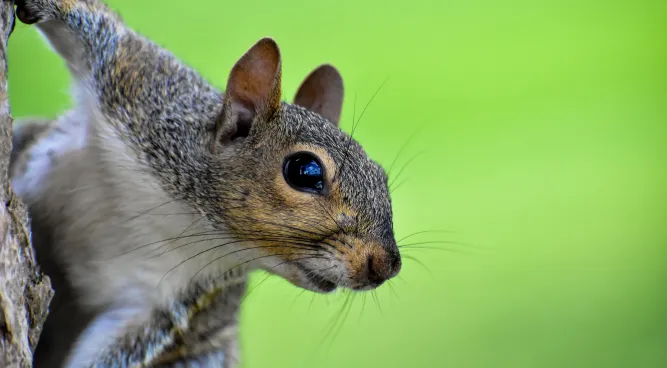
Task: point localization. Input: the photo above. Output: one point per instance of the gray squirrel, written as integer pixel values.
(153, 198)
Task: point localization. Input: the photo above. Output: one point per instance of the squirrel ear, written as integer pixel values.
(322, 92)
(253, 89)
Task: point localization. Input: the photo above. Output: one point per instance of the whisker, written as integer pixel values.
(184, 231)
(457, 251)
(334, 322)
(216, 259)
(424, 232)
(145, 212)
(254, 287)
(363, 305)
(403, 147)
(171, 214)
(349, 140)
(419, 263)
(394, 189)
(272, 255)
(346, 312)
(313, 255)
(297, 298)
(215, 232)
(312, 301)
(321, 236)
(377, 301)
(279, 225)
(329, 214)
(371, 100)
(441, 242)
(405, 165)
(211, 232)
(355, 124)
(393, 291)
(292, 240)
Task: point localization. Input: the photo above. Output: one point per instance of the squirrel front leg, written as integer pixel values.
(84, 32)
(122, 75)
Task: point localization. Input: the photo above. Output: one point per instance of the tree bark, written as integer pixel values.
(25, 293)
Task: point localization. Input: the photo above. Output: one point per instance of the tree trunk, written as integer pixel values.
(25, 293)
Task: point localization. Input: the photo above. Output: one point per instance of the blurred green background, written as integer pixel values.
(543, 137)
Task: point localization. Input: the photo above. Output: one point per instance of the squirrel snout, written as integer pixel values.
(380, 267)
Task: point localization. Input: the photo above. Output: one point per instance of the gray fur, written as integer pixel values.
(138, 144)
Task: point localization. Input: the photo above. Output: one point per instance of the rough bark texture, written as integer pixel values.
(25, 292)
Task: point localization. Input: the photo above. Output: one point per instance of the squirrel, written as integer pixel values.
(155, 196)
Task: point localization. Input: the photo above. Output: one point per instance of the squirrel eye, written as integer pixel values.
(303, 172)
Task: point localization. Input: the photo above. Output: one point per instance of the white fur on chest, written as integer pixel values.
(124, 240)
(67, 134)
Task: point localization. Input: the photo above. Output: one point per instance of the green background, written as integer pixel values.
(543, 137)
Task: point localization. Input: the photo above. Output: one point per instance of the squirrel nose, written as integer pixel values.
(381, 269)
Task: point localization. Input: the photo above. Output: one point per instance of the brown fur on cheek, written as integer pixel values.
(344, 214)
(289, 223)
(282, 220)
(285, 223)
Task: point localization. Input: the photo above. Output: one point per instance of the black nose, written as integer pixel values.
(381, 269)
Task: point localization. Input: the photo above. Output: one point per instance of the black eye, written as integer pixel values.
(304, 172)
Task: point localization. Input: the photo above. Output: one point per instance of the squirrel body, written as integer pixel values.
(155, 196)
(132, 281)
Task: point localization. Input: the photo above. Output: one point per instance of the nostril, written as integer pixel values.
(378, 272)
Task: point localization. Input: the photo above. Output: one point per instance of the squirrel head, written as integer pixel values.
(314, 207)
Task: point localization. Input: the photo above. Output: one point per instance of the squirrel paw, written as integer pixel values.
(33, 11)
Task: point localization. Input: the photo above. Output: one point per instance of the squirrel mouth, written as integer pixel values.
(324, 285)
(320, 283)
